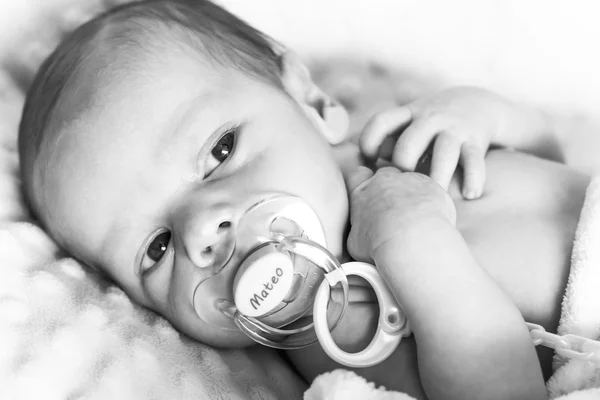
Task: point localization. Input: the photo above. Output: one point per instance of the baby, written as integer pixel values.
(150, 130)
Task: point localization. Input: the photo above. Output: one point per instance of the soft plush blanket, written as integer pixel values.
(581, 304)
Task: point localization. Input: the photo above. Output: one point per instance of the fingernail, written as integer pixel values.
(471, 195)
(338, 122)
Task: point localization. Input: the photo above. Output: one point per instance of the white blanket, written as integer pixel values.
(581, 304)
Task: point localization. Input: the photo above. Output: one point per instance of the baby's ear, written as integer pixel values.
(328, 116)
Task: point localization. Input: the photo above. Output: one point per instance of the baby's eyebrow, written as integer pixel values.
(180, 123)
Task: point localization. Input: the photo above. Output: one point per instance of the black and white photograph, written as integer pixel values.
(299, 199)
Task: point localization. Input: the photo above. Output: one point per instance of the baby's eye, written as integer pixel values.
(155, 251)
(220, 151)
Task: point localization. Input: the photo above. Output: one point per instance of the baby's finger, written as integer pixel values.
(357, 177)
(472, 159)
(413, 142)
(446, 153)
(380, 127)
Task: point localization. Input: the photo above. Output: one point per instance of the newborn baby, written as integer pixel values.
(152, 129)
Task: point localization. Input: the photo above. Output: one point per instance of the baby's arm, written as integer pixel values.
(457, 126)
(471, 339)
(472, 342)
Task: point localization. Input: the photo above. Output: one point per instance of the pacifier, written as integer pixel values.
(283, 278)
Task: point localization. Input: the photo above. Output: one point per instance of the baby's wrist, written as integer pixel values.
(418, 235)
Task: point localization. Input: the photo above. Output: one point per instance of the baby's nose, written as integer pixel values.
(212, 244)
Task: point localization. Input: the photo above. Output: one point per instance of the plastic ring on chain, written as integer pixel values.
(392, 323)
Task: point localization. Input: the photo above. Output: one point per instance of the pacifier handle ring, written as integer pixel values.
(392, 323)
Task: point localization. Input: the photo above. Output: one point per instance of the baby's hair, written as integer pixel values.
(139, 28)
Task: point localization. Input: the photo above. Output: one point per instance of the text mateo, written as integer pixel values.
(268, 287)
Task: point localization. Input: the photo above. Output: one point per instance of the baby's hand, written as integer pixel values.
(388, 203)
(460, 123)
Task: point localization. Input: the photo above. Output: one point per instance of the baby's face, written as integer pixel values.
(155, 176)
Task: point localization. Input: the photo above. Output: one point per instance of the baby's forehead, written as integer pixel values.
(125, 110)
(114, 80)
(121, 67)
(126, 61)
(131, 121)
(117, 108)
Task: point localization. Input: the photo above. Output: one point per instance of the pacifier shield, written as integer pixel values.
(263, 281)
